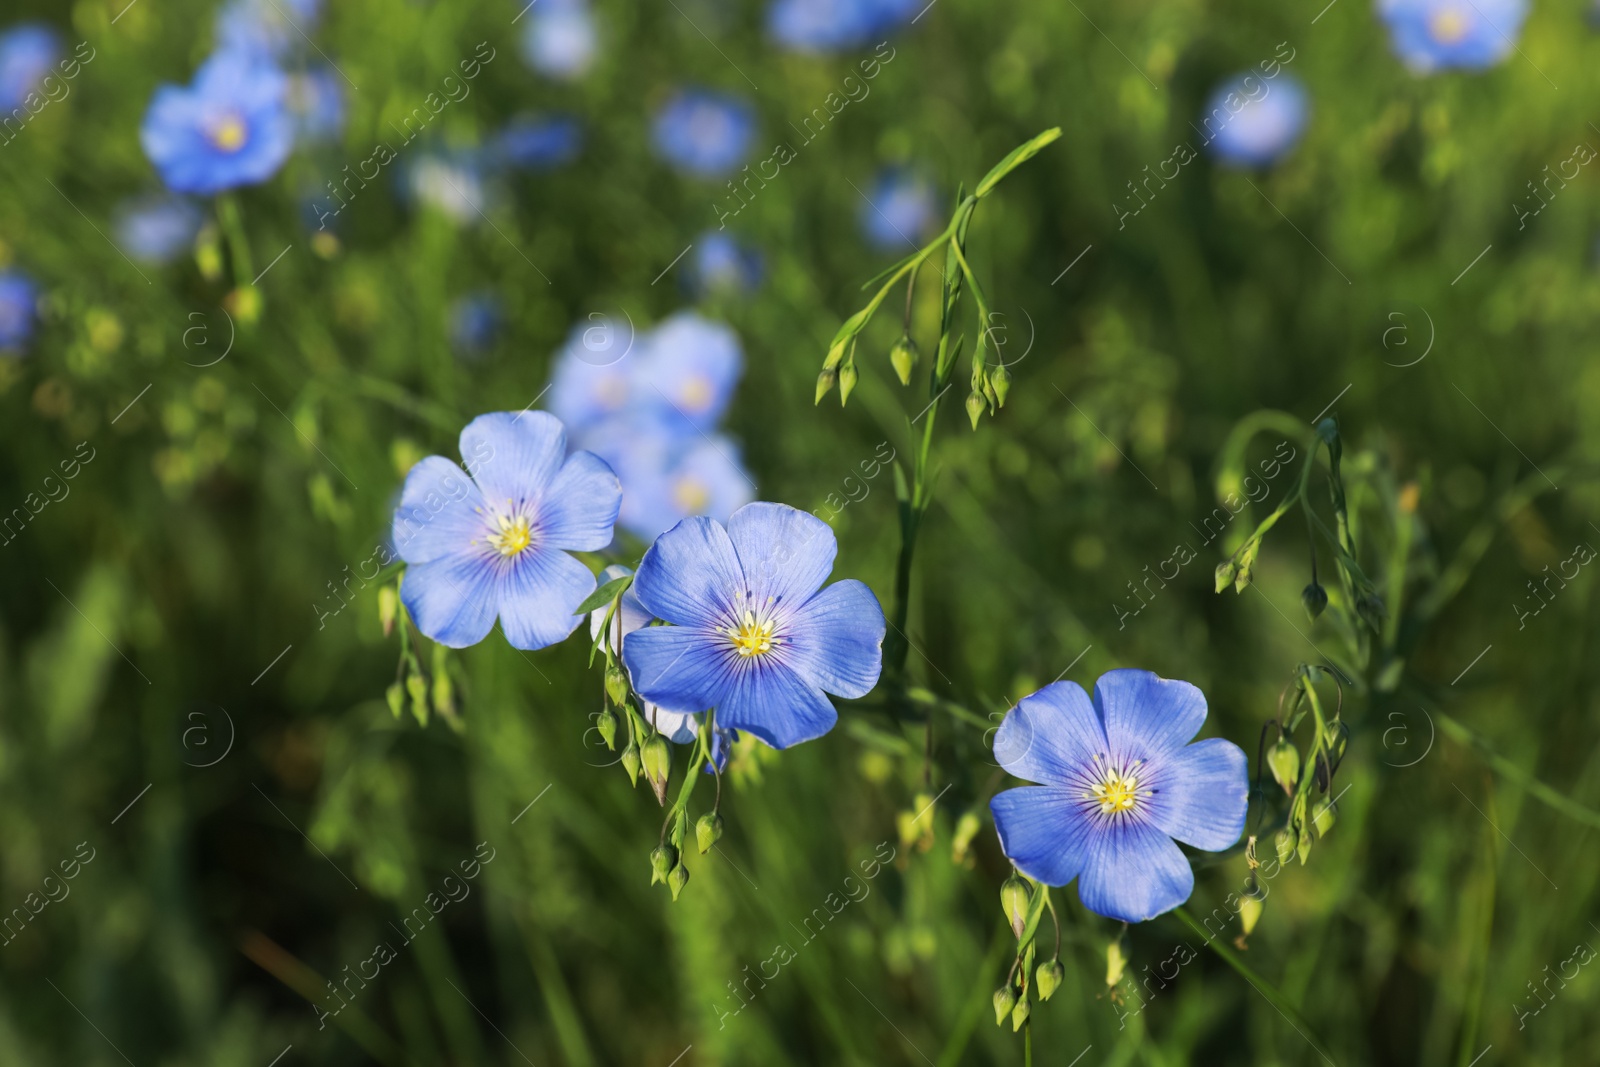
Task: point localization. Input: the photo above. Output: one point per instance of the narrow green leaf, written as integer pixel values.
(1016, 158)
(605, 594)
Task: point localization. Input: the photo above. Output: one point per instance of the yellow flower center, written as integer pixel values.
(513, 535)
(1449, 25)
(753, 636)
(229, 134)
(696, 393)
(1118, 788)
(690, 496)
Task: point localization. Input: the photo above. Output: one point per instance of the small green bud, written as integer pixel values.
(1250, 909)
(208, 253)
(1323, 816)
(1284, 842)
(417, 688)
(825, 382)
(1302, 848)
(1371, 610)
(967, 828)
(707, 831)
(630, 762)
(388, 608)
(836, 353)
(847, 381)
(1004, 1001)
(244, 304)
(396, 696)
(680, 827)
(1227, 570)
(1283, 759)
(444, 701)
(975, 406)
(1014, 898)
(1001, 380)
(677, 880)
(662, 861)
(1116, 963)
(903, 357)
(606, 723)
(1019, 1014)
(1048, 978)
(616, 684)
(1314, 598)
(656, 759)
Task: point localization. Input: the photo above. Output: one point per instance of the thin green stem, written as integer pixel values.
(232, 223)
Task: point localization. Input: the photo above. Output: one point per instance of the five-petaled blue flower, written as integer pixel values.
(231, 127)
(1431, 35)
(754, 635)
(1118, 781)
(27, 53)
(560, 39)
(899, 213)
(497, 543)
(1250, 121)
(704, 133)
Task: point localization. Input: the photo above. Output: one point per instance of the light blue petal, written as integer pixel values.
(785, 552)
(538, 593)
(835, 640)
(679, 727)
(679, 668)
(580, 507)
(1202, 793)
(1042, 832)
(1145, 714)
(513, 456)
(1133, 872)
(452, 599)
(770, 700)
(1051, 736)
(688, 577)
(437, 516)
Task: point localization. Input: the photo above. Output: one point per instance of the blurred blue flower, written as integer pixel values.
(317, 99)
(474, 323)
(19, 298)
(899, 211)
(1252, 121)
(666, 480)
(228, 128)
(157, 228)
(704, 133)
(753, 634)
(688, 371)
(1118, 781)
(818, 26)
(594, 376)
(721, 265)
(539, 142)
(496, 543)
(1431, 35)
(27, 53)
(452, 182)
(560, 38)
(271, 27)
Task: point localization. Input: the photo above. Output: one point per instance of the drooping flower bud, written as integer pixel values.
(825, 382)
(707, 831)
(1250, 909)
(606, 723)
(1048, 978)
(662, 861)
(1283, 759)
(616, 684)
(417, 689)
(244, 304)
(388, 608)
(1014, 899)
(1323, 815)
(847, 380)
(903, 357)
(1314, 598)
(656, 759)
(975, 406)
(1019, 1014)
(630, 762)
(396, 696)
(967, 828)
(1001, 380)
(1004, 1001)
(677, 880)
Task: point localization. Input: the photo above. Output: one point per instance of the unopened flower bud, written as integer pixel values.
(1019, 1014)
(1250, 909)
(975, 406)
(1284, 842)
(1315, 598)
(244, 304)
(388, 608)
(656, 759)
(208, 253)
(1322, 816)
(825, 382)
(630, 762)
(903, 357)
(847, 381)
(1004, 1001)
(1227, 570)
(616, 684)
(1283, 759)
(662, 861)
(707, 831)
(1001, 380)
(417, 689)
(1048, 978)
(967, 828)
(677, 880)
(396, 696)
(1014, 901)
(606, 723)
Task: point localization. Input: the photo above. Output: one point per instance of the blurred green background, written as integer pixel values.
(175, 589)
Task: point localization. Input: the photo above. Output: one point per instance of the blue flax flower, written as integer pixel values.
(898, 213)
(754, 635)
(722, 266)
(1431, 35)
(666, 479)
(18, 298)
(818, 26)
(1251, 121)
(157, 229)
(27, 53)
(1118, 782)
(231, 127)
(675, 726)
(270, 27)
(475, 321)
(594, 375)
(704, 133)
(539, 142)
(560, 39)
(316, 98)
(496, 543)
(688, 371)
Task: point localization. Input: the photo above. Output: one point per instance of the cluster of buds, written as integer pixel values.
(425, 693)
(1024, 903)
(1308, 818)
